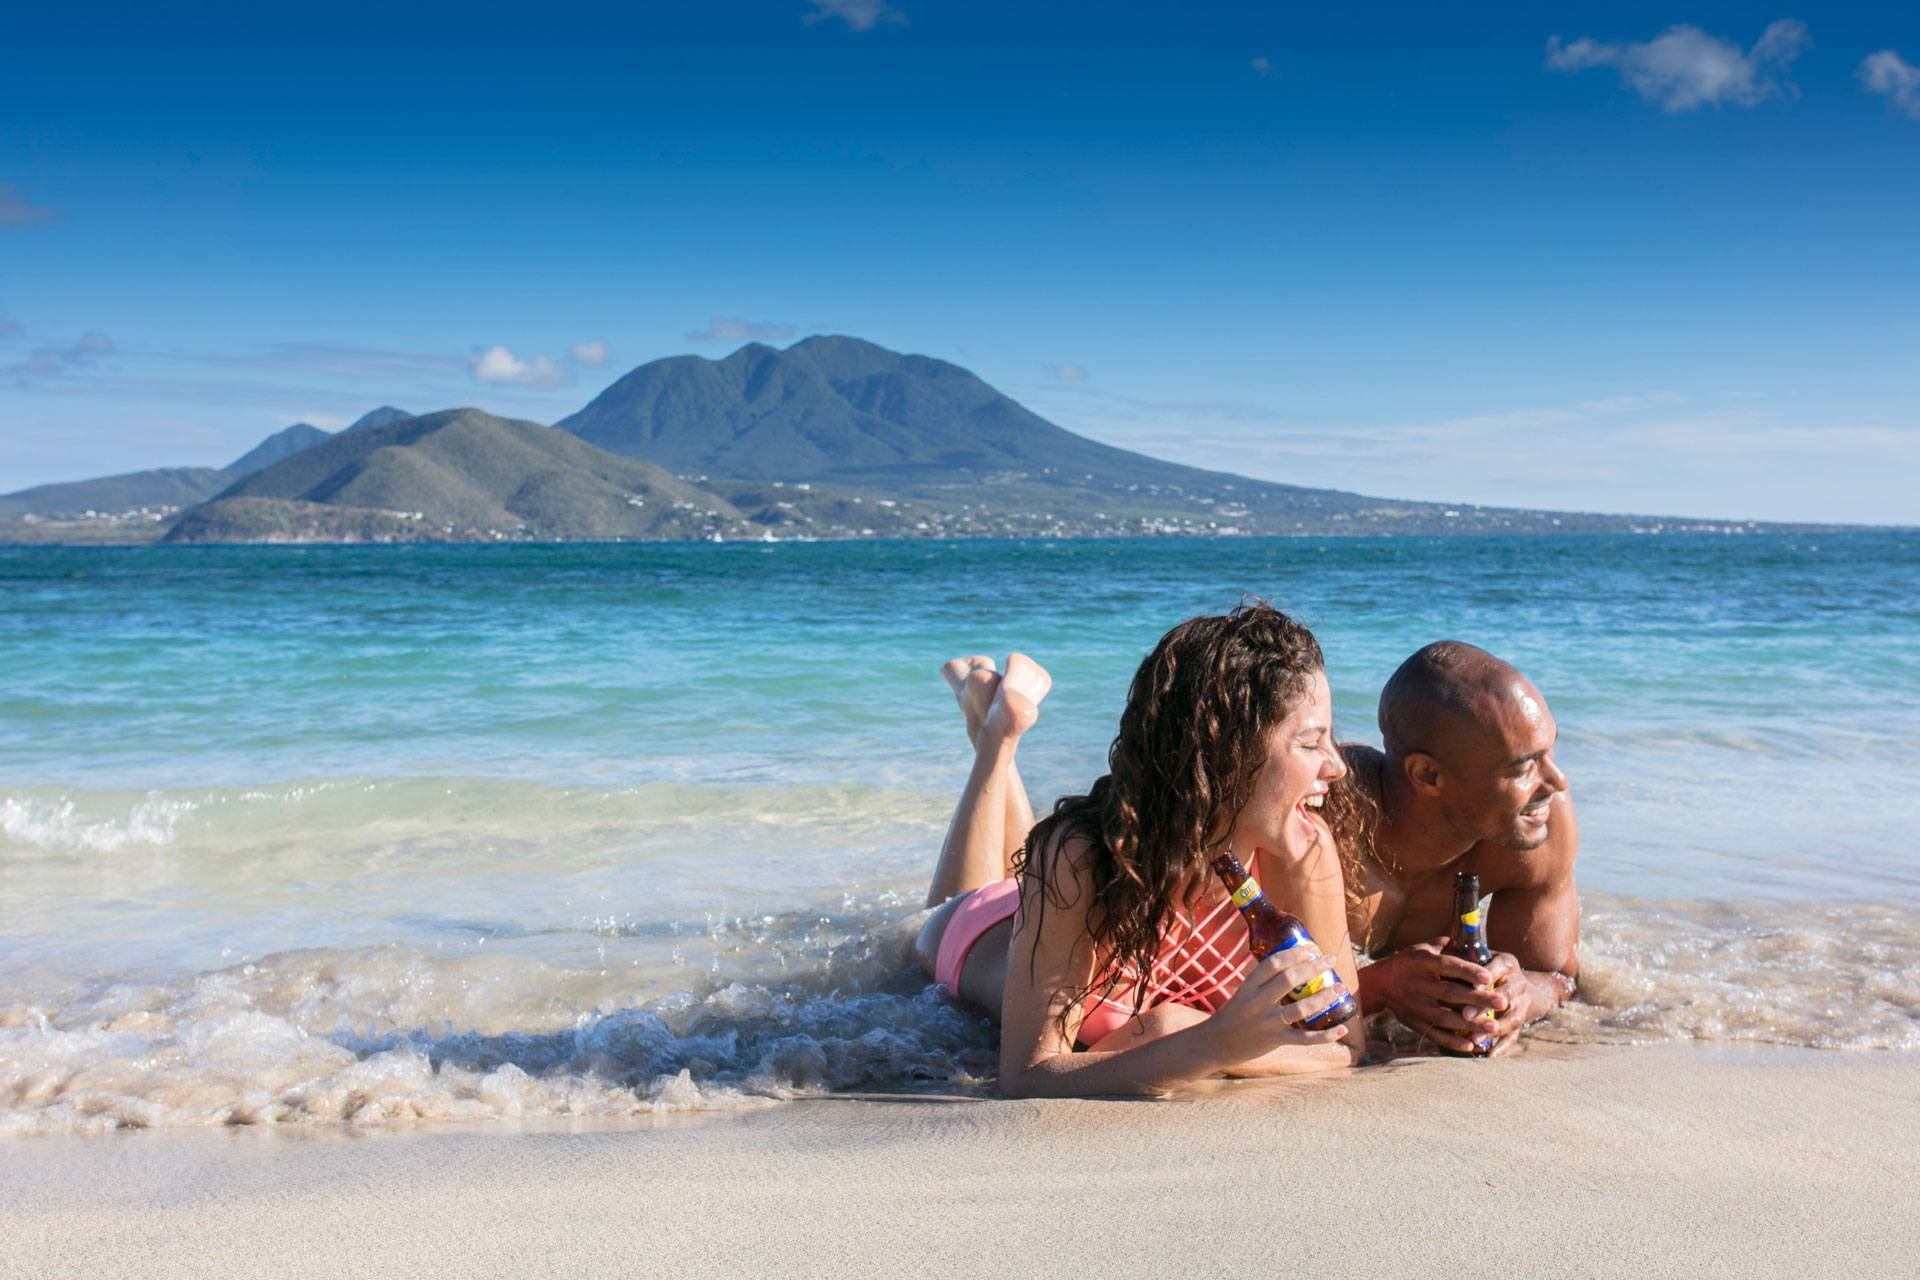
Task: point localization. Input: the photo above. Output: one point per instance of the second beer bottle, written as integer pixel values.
(1469, 942)
(1270, 929)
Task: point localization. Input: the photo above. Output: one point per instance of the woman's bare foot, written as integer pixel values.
(974, 682)
(1016, 703)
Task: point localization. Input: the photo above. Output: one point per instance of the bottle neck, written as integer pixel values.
(1468, 928)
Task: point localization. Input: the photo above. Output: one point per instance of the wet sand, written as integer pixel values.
(1673, 1160)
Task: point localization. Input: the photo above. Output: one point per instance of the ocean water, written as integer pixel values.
(511, 833)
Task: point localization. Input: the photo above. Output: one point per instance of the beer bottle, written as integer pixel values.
(1469, 942)
(1270, 929)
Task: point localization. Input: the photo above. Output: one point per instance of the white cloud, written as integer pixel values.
(497, 364)
(736, 329)
(1684, 67)
(593, 353)
(15, 211)
(1263, 66)
(54, 359)
(1068, 372)
(1888, 74)
(859, 15)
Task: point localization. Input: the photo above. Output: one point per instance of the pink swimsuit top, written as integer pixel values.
(1201, 962)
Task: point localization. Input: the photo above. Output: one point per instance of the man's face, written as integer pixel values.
(1499, 784)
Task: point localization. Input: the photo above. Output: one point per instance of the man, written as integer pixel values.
(1467, 782)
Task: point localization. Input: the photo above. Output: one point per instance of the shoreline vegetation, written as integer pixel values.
(832, 439)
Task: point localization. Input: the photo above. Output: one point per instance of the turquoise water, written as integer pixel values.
(246, 793)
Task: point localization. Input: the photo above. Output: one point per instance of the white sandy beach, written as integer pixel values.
(1673, 1160)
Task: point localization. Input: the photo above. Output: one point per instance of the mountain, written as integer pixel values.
(844, 413)
(460, 474)
(131, 491)
(132, 495)
(377, 418)
(832, 437)
(843, 409)
(281, 444)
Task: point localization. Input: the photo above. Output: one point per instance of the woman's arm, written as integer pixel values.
(1051, 956)
(1315, 889)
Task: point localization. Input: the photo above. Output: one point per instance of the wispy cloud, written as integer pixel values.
(736, 329)
(593, 353)
(1262, 67)
(1684, 67)
(497, 364)
(340, 361)
(52, 360)
(17, 211)
(1894, 78)
(1067, 372)
(859, 15)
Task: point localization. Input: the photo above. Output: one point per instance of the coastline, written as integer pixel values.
(1665, 1160)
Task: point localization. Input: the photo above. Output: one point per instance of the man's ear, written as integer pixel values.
(1423, 771)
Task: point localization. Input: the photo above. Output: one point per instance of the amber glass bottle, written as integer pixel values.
(1270, 929)
(1469, 942)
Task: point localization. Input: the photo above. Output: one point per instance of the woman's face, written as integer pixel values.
(1303, 762)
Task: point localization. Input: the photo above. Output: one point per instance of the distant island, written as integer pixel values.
(831, 438)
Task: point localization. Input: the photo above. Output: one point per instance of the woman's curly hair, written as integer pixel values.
(1181, 768)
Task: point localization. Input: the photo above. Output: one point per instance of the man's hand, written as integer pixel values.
(1518, 1002)
(1419, 986)
(1525, 997)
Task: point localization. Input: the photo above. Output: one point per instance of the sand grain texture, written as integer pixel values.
(1675, 1161)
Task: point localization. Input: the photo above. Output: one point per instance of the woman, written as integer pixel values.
(1102, 937)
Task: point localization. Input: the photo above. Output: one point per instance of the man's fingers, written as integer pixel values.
(1439, 1015)
(1447, 1039)
(1509, 1019)
(1453, 968)
(1450, 993)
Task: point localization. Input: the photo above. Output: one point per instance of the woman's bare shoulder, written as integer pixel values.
(1063, 863)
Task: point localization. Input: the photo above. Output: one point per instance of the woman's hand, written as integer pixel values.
(1259, 1018)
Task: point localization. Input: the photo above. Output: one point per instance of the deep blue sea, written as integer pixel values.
(379, 833)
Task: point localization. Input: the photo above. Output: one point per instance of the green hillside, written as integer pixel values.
(459, 474)
(130, 492)
(281, 444)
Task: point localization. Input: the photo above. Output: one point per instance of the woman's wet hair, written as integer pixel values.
(1181, 768)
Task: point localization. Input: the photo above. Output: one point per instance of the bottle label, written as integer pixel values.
(1312, 985)
(1249, 890)
(1470, 917)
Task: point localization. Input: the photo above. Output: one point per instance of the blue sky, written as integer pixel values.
(1612, 257)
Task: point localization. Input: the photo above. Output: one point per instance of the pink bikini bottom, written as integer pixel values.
(986, 907)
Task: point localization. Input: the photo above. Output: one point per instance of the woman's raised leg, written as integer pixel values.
(993, 815)
(991, 820)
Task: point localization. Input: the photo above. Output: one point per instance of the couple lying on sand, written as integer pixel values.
(1109, 951)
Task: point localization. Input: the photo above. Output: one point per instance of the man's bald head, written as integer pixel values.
(1444, 690)
(1473, 733)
